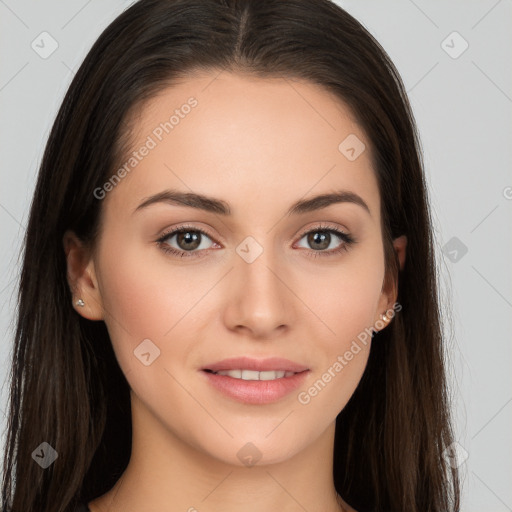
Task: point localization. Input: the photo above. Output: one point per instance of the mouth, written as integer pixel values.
(255, 381)
(244, 374)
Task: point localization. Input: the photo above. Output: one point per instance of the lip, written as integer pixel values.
(256, 392)
(260, 365)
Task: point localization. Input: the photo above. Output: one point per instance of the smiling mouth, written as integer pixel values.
(243, 374)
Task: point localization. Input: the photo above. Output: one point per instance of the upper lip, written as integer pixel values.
(260, 365)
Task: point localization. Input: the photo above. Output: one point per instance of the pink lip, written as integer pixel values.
(260, 365)
(255, 391)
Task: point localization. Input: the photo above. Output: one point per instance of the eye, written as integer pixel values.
(320, 238)
(188, 239)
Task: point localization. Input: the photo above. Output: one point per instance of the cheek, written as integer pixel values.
(345, 298)
(346, 312)
(140, 301)
(146, 297)
(344, 301)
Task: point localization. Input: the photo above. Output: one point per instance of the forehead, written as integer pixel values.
(243, 138)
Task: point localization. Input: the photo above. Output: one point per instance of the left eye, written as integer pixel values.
(322, 238)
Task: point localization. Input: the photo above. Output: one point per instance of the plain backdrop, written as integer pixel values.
(455, 60)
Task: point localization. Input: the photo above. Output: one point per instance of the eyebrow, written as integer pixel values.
(218, 206)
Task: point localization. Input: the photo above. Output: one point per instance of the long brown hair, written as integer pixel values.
(66, 387)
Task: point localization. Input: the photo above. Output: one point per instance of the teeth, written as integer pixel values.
(254, 375)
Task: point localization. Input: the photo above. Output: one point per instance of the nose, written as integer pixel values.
(260, 301)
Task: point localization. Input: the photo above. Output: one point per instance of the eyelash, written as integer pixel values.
(348, 240)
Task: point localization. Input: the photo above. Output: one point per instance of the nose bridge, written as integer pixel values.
(256, 266)
(260, 299)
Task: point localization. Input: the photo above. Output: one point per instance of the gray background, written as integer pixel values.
(462, 102)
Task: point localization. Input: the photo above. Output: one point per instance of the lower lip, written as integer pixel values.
(256, 391)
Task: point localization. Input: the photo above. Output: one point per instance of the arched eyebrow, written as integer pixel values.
(218, 206)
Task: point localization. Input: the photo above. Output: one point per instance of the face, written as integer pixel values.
(252, 281)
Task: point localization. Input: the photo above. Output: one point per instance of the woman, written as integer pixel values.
(228, 295)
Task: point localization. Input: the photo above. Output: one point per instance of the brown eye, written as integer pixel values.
(189, 241)
(320, 238)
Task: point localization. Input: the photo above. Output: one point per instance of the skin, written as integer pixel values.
(260, 145)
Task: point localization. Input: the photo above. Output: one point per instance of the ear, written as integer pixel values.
(81, 277)
(390, 289)
(400, 246)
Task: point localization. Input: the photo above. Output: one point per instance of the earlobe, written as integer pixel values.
(81, 278)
